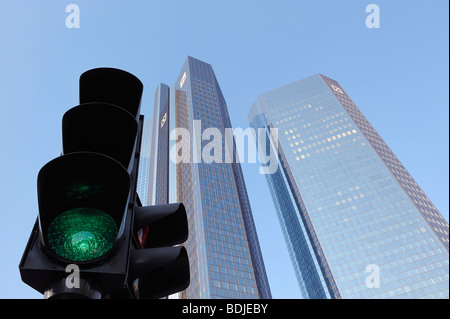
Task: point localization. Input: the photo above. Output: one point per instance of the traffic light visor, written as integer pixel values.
(109, 85)
(102, 128)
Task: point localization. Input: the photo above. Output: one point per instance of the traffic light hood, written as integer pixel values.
(114, 86)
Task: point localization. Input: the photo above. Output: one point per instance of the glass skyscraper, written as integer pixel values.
(356, 223)
(144, 163)
(223, 247)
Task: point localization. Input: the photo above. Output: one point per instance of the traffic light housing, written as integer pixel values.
(82, 200)
(102, 128)
(161, 269)
(88, 203)
(112, 86)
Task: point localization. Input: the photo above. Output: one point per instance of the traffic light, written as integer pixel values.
(87, 203)
(82, 201)
(161, 270)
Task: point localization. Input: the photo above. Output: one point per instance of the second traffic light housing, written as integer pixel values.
(159, 268)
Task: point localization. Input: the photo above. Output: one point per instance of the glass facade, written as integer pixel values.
(356, 223)
(144, 163)
(223, 247)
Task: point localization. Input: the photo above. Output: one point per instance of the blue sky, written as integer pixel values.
(398, 75)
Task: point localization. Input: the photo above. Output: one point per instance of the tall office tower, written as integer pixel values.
(144, 163)
(223, 247)
(356, 223)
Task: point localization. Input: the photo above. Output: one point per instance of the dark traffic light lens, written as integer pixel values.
(82, 234)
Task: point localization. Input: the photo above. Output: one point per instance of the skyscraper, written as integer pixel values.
(144, 163)
(223, 247)
(356, 223)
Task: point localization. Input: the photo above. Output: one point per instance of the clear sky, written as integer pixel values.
(398, 75)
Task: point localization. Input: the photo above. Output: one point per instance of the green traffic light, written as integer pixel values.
(82, 234)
